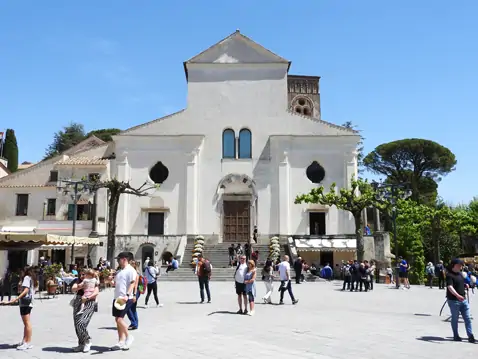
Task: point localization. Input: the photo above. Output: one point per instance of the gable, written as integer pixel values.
(236, 49)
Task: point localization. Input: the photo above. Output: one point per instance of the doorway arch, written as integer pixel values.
(147, 250)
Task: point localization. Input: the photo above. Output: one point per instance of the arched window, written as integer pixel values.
(228, 144)
(245, 143)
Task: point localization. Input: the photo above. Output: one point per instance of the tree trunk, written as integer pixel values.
(359, 236)
(113, 203)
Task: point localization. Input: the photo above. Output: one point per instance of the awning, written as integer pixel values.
(326, 245)
(45, 239)
(58, 246)
(18, 229)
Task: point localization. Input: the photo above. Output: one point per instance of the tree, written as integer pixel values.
(104, 134)
(63, 140)
(10, 150)
(411, 160)
(72, 135)
(115, 189)
(351, 126)
(355, 199)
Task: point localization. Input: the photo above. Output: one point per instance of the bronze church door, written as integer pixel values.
(237, 221)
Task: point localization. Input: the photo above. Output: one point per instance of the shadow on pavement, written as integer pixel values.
(222, 312)
(188, 302)
(94, 348)
(108, 328)
(432, 339)
(422, 315)
(7, 346)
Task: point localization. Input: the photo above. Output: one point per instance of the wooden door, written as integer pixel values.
(237, 224)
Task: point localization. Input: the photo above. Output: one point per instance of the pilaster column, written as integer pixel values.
(350, 162)
(284, 195)
(123, 174)
(192, 193)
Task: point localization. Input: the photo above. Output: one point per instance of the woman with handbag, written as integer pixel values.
(82, 316)
(151, 273)
(25, 299)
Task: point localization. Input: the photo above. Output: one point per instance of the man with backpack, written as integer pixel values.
(204, 270)
(347, 275)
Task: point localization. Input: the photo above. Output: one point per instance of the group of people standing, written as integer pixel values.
(358, 276)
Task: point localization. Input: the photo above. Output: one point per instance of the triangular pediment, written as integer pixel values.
(236, 49)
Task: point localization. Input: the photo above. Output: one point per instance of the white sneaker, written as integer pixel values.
(118, 346)
(25, 346)
(87, 347)
(251, 313)
(78, 349)
(129, 341)
(159, 305)
(146, 306)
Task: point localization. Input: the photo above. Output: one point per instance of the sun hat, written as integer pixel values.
(120, 303)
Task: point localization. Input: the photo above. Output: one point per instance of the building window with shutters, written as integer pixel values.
(53, 176)
(245, 143)
(51, 207)
(228, 144)
(22, 205)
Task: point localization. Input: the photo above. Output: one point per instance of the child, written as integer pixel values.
(88, 285)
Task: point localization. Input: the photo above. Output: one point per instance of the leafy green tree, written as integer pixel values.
(361, 195)
(411, 160)
(63, 140)
(104, 134)
(72, 135)
(10, 150)
(360, 154)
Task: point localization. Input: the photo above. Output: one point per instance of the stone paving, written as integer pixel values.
(326, 323)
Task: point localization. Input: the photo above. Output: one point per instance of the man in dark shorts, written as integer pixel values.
(456, 299)
(125, 279)
(239, 275)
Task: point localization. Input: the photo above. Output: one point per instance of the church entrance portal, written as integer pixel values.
(237, 221)
(147, 251)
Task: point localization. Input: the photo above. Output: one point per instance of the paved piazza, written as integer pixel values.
(327, 323)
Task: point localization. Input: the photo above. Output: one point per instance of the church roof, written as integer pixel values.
(228, 42)
(82, 160)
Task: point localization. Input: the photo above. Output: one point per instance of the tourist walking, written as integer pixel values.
(125, 280)
(457, 301)
(151, 273)
(132, 312)
(440, 273)
(239, 278)
(430, 271)
(203, 272)
(25, 300)
(298, 269)
(82, 318)
(286, 284)
(250, 282)
(347, 275)
(268, 278)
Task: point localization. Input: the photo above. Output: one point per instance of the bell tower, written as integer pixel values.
(304, 95)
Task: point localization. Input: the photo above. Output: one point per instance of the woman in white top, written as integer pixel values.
(25, 298)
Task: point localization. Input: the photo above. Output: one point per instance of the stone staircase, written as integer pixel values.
(218, 255)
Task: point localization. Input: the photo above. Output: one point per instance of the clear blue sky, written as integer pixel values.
(397, 69)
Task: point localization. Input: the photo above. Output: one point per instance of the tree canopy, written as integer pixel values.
(72, 135)
(411, 160)
(10, 150)
(355, 199)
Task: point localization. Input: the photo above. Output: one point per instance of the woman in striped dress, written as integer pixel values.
(81, 320)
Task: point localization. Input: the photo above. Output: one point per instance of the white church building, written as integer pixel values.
(249, 140)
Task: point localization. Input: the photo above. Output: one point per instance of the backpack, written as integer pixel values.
(206, 268)
(142, 283)
(347, 271)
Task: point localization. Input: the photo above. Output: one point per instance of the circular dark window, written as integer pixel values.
(315, 172)
(298, 110)
(159, 173)
(301, 102)
(306, 111)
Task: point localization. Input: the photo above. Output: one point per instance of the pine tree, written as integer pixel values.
(10, 150)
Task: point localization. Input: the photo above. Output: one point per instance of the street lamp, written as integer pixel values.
(391, 193)
(75, 188)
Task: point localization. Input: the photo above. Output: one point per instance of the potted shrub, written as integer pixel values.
(52, 272)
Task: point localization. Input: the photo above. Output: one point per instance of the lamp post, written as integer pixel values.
(75, 188)
(392, 193)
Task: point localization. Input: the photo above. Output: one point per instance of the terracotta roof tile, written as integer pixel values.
(25, 185)
(82, 160)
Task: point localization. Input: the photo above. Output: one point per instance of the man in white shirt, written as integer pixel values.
(239, 275)
(125, 280)
(285, 285)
